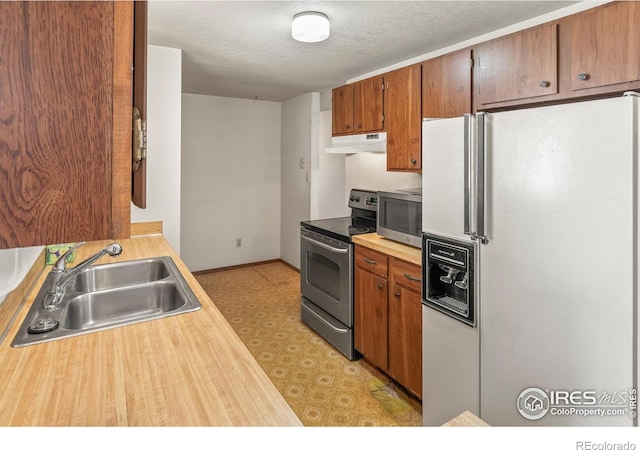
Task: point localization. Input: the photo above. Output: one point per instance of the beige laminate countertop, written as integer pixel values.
(190, 369)
(376, 242)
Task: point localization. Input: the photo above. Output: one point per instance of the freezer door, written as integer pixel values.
(557, 281)
(451, 382)
(443, 176)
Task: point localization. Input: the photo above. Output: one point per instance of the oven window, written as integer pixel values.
(324, 274)
(401, 215)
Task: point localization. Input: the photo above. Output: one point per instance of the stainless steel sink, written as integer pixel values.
(129, 273)
(109, 296)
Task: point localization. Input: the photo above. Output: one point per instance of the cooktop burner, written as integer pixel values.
(356, 229)
(341, 228)
(363, 206)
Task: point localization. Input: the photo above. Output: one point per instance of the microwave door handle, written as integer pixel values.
(467, 173)
(480, 169)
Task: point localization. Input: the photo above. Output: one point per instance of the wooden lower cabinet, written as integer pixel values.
(388, 316)
(371, 317)
(405, 324)
(405, 338)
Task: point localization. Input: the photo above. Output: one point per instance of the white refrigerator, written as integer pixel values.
(550, 197)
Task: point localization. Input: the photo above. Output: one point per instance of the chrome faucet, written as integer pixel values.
(60, 275)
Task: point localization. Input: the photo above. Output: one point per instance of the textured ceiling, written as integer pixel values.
(245, 50)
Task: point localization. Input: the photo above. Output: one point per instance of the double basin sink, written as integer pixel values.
(109, 296)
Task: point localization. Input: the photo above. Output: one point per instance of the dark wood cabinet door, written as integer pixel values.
(405, 338)
(446, 85)
(342, 110)
(370, 327)
(403, 118)
(367, 101)
(64, 74)
(517, 66)
(605, 46)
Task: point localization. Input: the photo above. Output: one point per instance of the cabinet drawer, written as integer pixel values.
(371, 261)
(406, 275)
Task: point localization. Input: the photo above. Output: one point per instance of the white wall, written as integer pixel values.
(14, 265)
(164, 100)
(369, 171)
(230, 181)
(328, 193)
(300, 137)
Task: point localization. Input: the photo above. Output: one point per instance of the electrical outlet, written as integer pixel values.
(238, 242)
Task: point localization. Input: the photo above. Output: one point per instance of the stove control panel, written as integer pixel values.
(363, 199)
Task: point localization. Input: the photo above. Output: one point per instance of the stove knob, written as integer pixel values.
(357, 199)
(352, 198)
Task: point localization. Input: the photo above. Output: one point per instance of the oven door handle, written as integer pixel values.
(326, 246)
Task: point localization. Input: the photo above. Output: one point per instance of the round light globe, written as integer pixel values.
(310, 27)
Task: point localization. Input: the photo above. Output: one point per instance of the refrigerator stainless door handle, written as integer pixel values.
(467, 174)
(480, 154)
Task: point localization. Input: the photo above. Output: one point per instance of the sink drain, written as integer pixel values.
(43, 325)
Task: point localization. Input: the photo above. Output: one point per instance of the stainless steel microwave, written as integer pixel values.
(400, 216)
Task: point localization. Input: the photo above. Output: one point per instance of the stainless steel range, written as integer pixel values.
(326, 272)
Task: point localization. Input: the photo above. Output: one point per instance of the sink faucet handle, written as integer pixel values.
(61, 264)
(113, 249)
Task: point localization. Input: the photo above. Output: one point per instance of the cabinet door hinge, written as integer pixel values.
(383, 85)
(471, 61)
(139, 147)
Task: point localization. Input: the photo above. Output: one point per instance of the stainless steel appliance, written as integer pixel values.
(326, 270)
(400, 215)
(549, 196)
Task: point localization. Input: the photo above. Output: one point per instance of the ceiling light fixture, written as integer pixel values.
(310, 26)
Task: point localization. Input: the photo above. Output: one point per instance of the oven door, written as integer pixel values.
(325, 274)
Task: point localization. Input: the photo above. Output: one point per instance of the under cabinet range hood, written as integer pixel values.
(358, 143)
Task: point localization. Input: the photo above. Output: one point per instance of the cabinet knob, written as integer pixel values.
(348, 126)
(583, 76)
(397, 294)
(545, 83)
(413, 161)
(380, 286)
(359, 125)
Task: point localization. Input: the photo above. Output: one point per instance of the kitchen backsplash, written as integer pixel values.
(14, 265)
(369, 171)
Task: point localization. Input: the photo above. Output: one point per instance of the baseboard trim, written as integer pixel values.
(242, 266)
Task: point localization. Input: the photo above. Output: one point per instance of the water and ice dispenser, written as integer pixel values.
(449, 278)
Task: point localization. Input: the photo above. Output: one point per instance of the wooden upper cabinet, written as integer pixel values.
(403, 118)
(367, 105)
(358, 107)
(65, 121)
(518, 66)
(446, 85)
(605, 45)
(342, 110)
